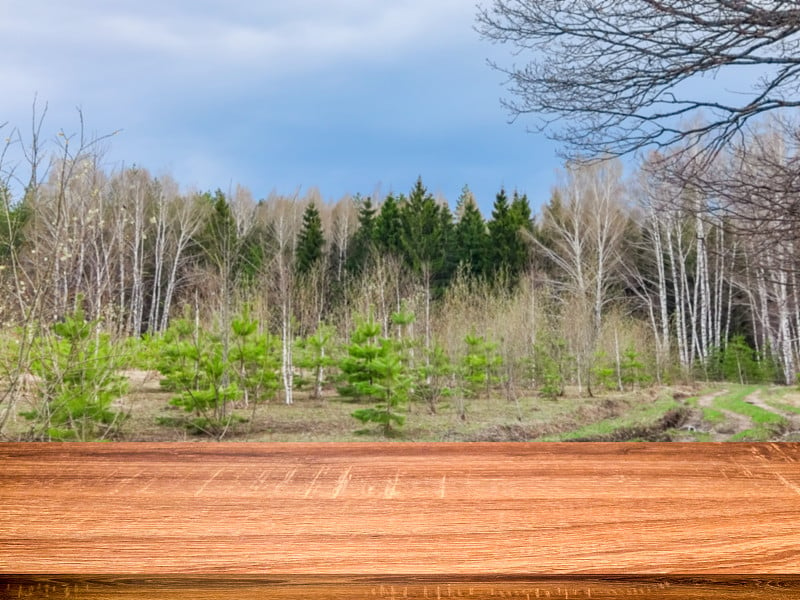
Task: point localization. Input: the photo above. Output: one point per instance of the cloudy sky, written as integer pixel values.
(343, 95)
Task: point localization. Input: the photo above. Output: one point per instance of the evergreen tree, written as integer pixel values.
(12, 221)
(219, 237)
(449, 258)
(471, 239)
(389, 226)
(520, 213)
(363, 240)
(310, 241)
(508, 248)
(375, 370)
(428, 236)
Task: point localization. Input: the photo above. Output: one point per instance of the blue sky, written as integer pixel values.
(343, 95)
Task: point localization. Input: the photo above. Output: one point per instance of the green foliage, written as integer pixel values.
(471, 237)
(316, 353)
(738, 362)
(237, 257)
(553, 365)
(77, 366)
(605, 372)
(194, 365)
(432, 380)
(310, 241)
(427, 236)
(13, 218)
(375, 370)
(363, 242)
(508, 248)
(389, 227)
(634, 372)
(255, 360)
(480, 366)
(630, 371)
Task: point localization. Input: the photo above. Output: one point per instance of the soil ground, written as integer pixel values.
(678, 413)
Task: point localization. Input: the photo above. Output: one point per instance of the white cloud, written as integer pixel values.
(190, 81)
(231, 34)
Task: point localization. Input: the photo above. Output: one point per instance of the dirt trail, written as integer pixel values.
(793, 419)
(719, 432)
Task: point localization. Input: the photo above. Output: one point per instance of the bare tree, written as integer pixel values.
(583, 232)
(614, 73)
(33, 276)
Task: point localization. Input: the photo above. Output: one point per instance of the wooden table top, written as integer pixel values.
(400, 519)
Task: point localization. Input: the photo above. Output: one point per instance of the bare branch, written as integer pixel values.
(610, 77)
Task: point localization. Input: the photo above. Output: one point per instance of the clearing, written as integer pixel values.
(719, 412)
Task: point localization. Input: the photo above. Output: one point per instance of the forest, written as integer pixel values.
(616, 282)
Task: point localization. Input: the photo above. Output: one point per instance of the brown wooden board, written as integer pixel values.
(361, 517)
(107, 587)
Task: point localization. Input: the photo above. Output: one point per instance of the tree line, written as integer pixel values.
(613, 276)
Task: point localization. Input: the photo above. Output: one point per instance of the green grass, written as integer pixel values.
(710, 415)
(735, 402)
(643, 414)
(790, 408)
(759, 434)
(713, 416)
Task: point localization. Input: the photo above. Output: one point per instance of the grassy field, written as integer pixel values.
(719, 413)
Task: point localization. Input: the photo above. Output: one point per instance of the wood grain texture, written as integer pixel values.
(399, 588)
(400, 509)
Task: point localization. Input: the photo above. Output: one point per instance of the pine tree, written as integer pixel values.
(471, 238)
(375, 370)
(311, 240)
(449, 259)
(422, 232)
(508, 248)
(363, 240)
(389, 226)
(520, 213)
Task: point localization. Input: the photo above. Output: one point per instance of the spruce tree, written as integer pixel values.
(508, 248)
(428, 236)
(520, 214)
(310, 241)
(375, 369)
(471, 238)
(363, 240)
(389, 226)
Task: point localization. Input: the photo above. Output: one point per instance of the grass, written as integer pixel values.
(613, 416)
(735, 402)
(713, 416)
(759, 434)
(642, 414)
(710, 415)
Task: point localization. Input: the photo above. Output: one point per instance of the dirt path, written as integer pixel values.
(793, 419)
(718, 432)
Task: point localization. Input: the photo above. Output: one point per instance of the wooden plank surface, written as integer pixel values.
(32, 587)
(400, 509)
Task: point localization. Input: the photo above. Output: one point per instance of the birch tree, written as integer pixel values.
(582, 231)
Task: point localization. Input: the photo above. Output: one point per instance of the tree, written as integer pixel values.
(583, 230)
(471, 239)
(363, 242)
(77, 369)
(310, 241)
(426, 236)
(375, 370)
(508, 252)
(389, 226)
(614, 73)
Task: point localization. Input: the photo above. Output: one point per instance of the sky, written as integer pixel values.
(348, 96)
